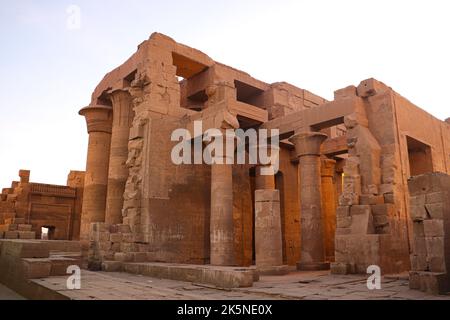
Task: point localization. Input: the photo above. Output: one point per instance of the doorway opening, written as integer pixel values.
(420, 158)
(47, 232)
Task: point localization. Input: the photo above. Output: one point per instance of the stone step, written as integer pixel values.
(24, 249)
(223, 277)
(63, 245)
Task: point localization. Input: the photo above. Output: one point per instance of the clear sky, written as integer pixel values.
(49, 69)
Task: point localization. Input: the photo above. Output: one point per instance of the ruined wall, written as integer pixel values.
(30, 206)
(371, 219)
(430, 217)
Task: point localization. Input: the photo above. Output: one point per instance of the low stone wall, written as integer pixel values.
(22, 260)
(223, 277)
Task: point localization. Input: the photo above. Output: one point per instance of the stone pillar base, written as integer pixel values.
(431, 282)
(313, 266)
(273, 270)
(342, 268)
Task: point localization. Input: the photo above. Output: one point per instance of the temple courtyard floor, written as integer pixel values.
(294, 286)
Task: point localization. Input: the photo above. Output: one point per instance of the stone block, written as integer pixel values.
(11, 235)
(433, 228)
(27, 235)
(348, 199)
(435, 210)
(418, 213)
(344, 222)
(115, 246)
(267, 195)
(140, 256)
(343, 231)
(129, 247)
(24, 227)
(362, 222)
(19, 221)
(386, 188)
(418, 262)
(360, 210)
(104, 245)
(342, 211)
(99, 227)
(430, 282)
(59, 265)
(436, 197)
(380, 221)
(34, 268)
(124, 228)
(127, 237)
(435, 246)
(25, 249)
(347, 92)
(436, 264)
(389, 198)
(123, 257)
(341, 268)
(383, 210)
(367, 199)
(115, 237)
(112, 266)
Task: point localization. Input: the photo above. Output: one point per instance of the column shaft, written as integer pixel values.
(307, 146)
(221, 224)
(118, 172)
(329, 206)
(99, 121)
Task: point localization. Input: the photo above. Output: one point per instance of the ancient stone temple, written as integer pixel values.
(337, 200)
(340, 196)
(27, 208)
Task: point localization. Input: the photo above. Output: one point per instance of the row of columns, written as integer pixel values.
(268, 240)
(106, 172)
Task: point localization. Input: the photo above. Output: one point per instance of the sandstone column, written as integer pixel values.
(268, 238)
(329, 205)
(99, 122)
(118, 172)
(221, 221)
(307, 148)
(263, 182)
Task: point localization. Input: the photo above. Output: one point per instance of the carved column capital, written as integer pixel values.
(308, 143)
(98, 118)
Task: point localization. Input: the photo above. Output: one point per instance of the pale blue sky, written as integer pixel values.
(48, 72)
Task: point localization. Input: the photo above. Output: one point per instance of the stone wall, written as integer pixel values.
(430, 216)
